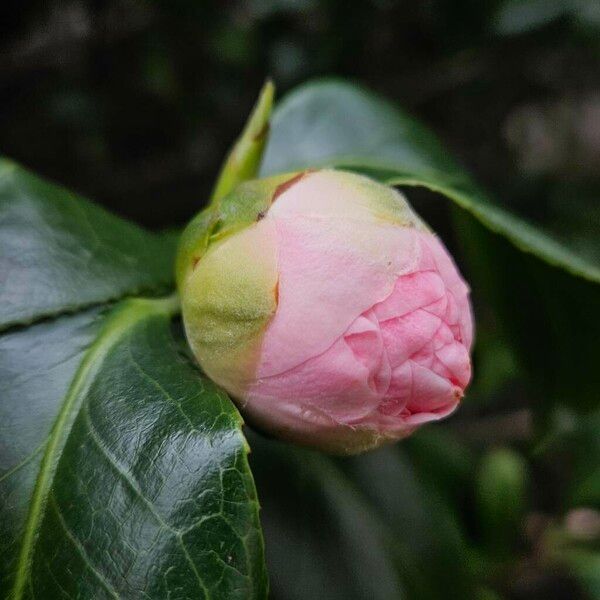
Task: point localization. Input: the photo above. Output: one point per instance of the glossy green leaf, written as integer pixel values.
(123, 470)
(546, 296)
(37, 366)
(59, 252)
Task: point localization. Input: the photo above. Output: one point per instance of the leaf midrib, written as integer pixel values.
(122, 319)
(68, 309)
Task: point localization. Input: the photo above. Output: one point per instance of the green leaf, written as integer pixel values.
(322, 539)
(245, 156)
(546, 312)
(523, 16)
(123, 470)
(443, 462)
(428, 537)
(60, 253)
(357, 528)
(546, 297)
(333, 123)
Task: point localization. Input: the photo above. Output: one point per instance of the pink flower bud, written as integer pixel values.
(335, 318)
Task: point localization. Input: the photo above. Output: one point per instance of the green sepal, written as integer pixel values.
(245, 205)
(245, 156)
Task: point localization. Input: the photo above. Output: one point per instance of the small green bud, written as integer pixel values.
(500, 495)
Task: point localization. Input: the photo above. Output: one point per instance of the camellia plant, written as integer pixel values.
(309, 299)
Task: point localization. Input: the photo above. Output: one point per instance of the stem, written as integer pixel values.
(244, 158)
(169, 305)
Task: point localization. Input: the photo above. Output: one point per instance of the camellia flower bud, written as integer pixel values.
(327, 309)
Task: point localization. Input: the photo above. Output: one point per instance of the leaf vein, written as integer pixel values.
(81, 550)
(122, 472)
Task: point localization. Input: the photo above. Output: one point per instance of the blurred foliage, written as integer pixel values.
(461, 506)
(500, 489)
(134, 103)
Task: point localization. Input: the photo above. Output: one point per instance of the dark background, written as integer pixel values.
(134, 104)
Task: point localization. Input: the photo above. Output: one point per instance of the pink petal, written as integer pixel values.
(329, 274)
